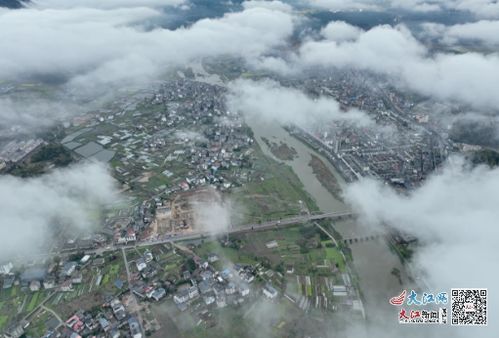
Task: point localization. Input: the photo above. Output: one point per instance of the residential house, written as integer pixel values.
(205, 286)
(6, 268)
(77, 278)
(158, 294)
(34, 285)
(209, 298)
(118, 309)
(69, 268)
(141, 264)
(269, 291)
(66, 286)
(193, 292)
(230, 288)
(134, 326)
(244, 289)
(49, 283)
(181, 296)
(8, 281)
(212, 258)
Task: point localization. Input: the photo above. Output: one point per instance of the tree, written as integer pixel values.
(396, 273)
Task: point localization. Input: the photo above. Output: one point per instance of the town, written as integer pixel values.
(174, 149)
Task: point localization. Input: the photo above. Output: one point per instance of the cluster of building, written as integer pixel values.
(216, 288)
(177, 137)
(17, 150)
(402, 148)
(60, 276)
(112, 320)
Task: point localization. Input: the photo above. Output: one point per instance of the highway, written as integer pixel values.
(170, 238)
(177, 237)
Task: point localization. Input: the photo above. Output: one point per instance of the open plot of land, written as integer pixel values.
(308, 256)
(11, 301)
(274, 192)
(98, 282)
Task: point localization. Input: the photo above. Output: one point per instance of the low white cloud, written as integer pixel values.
(483, 31)
(344, 5)
(340, 31)
(479, 8)
(416, 5)
(393, 51)
(273, 5)
(32, 112)
(270, 101)
(96, 50)
(95, 45)
(212, 212)
(108, 4)
(30, 208)
(454, 214)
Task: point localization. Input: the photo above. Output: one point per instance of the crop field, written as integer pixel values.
(11, 301)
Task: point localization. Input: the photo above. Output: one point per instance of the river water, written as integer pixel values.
(373, 260)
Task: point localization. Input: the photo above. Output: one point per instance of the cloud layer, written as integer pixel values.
(479, 8)
(393, 51)
(30, 208)
(483, 31)
(270, 101)
(93, 46)
(454, 214)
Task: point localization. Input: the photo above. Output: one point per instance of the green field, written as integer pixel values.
(33, 302)
(274, 192)
(3, 321)
(230, 254)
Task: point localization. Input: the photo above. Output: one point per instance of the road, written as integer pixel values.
(240, 229)
(135, 304)
(347, 265)
(283, 222)
(61, 322)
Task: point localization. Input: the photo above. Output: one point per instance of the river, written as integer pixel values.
(373, 260)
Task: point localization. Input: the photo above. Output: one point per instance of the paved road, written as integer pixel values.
(199, 234)
(240, 229)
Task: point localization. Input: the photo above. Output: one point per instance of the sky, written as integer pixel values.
(95, 47)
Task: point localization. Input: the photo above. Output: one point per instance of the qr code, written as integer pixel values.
(469, 306)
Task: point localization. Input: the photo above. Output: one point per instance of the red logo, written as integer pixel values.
(398, 300)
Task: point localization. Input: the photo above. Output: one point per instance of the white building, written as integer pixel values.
(181, 296)
(270, 292)
(6, 268)
(244, 289)
(141, 264)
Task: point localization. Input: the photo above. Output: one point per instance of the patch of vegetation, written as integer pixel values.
(324, 175)
(486, 156)
(41, 159)
(54, 153)
(33, 302)
(275, 191)
(281, 150)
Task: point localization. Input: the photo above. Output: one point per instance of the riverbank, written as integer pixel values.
(373, 261)
(325, 177)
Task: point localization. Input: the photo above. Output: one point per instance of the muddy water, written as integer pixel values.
(373, 260)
